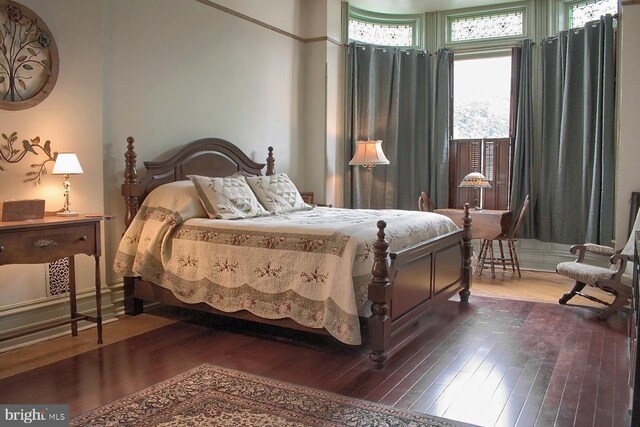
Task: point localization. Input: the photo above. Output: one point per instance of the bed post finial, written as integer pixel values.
(380, 296)
(130, 180)
(130, 171)
(271, 162)
(467, 251)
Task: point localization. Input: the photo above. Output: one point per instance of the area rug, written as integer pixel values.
(208, 395)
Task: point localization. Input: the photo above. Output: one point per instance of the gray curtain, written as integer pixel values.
(576, 200)
(439, 143)
(391, 98)
(522, 157)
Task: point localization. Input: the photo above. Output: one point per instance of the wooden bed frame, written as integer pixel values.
(404, 286)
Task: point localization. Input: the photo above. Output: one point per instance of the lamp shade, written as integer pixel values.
(369, 153)
(475, 180)
(66, 164)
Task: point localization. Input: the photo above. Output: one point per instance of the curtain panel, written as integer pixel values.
(442, 122)
(396, 96)
(576, 198)
(522, 155)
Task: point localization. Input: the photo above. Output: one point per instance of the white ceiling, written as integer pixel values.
(418, 6)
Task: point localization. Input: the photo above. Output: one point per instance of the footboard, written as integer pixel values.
(408, 283)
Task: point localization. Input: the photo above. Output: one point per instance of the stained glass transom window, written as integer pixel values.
(581, 13)
(381, 34)
(488, 26)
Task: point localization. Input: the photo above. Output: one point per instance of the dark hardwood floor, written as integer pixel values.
(493, 362)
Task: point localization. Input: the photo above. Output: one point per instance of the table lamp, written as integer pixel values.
(66, 164)
(478, 181)
(369, 154)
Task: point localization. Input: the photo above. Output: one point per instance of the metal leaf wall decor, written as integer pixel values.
(28, 57)
(12, 152)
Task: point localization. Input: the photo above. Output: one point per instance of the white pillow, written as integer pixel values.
(277, 193)
(227, 198)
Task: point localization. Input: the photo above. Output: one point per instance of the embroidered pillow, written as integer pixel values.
(277, 193)
(227, 198)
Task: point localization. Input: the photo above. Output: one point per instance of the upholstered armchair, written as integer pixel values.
(615, 280)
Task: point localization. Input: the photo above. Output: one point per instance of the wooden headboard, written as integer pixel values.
(207, 157)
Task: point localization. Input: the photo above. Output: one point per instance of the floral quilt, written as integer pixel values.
(311, 266)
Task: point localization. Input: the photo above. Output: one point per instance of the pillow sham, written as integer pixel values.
(227, 198)
(277, 193)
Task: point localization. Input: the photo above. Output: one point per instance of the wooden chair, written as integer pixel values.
(615, 280)
(424, 203)
(486, 247)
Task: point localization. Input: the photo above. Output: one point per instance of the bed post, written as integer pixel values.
(467, 251)
(271, 162)
(132, 305)
(380, 295)
(130, 180)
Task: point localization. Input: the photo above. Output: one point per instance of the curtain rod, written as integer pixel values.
(401, 49)
(592, 23)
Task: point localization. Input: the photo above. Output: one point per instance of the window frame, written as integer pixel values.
(498, 196)
(563, 13)
(415, 21)
(484, 53)
(446, 17)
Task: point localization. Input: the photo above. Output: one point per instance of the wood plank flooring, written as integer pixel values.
(492, 362)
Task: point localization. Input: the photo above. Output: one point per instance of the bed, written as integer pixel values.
(362, 276)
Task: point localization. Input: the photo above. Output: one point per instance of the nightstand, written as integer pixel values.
(308, 198)
(46, 240)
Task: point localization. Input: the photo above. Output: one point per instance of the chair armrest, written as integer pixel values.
(581, 250)
(621, 260)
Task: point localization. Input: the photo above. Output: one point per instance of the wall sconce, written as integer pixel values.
(478, 181)
(66, 164)
(369, 154)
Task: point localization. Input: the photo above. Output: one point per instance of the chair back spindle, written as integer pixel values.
(424, 203)
(515, 228)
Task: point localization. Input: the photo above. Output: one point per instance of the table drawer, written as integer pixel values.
(47, 244)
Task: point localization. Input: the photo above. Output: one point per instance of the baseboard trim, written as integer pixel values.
(117, 297)
(542, 256)
(23, 315)
(533, 255)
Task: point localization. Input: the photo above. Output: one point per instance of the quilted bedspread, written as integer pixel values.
(311, 266)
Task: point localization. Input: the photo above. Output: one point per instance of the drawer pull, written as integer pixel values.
(83, 238)
(1, 248)
(43, 243)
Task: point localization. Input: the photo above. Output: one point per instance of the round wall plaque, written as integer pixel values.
(28, 57)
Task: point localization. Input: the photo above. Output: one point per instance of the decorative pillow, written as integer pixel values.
(277, 193)
(227, 198)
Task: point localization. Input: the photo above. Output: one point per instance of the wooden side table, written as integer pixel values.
(309, 199)
(486, 224)
(46, 240)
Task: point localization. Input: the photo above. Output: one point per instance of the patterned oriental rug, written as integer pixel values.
(208, 395)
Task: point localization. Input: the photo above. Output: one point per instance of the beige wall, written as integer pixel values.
(166, 72)
(212, 74)
(628, 116)
(171, 71)
(71, 117)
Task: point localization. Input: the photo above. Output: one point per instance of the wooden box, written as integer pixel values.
(22, 210)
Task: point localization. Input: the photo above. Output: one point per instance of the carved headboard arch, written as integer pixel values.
(213, 157)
